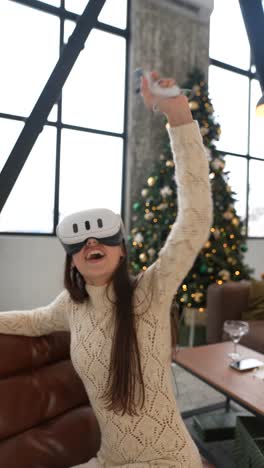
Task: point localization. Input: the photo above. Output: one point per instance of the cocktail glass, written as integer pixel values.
(235, 329)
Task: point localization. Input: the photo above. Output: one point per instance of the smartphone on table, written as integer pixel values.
(246, 364)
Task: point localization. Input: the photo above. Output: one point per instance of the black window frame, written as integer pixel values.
(63, 15)
(250, 75)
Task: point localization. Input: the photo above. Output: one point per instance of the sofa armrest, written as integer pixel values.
(22, 353)
(224, 302)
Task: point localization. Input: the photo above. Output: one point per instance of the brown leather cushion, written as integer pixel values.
(43, 420)
(68, 440)
(23, 352)
(255, 338)
(38, 381)
(255, 309)
(225, 302)
(28, 399)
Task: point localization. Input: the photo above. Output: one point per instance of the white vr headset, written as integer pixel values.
(101, 224)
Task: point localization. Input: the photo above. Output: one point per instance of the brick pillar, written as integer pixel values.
(170, 36)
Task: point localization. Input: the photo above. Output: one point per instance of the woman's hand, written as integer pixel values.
(176, 108)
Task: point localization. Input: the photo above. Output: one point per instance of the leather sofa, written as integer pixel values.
(228, 302)
(46, 420)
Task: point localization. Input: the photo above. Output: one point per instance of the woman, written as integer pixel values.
(120, 328)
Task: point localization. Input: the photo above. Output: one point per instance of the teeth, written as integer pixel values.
(95, 254)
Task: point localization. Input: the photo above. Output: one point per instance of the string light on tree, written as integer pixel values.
(235, 221)
(197, 296)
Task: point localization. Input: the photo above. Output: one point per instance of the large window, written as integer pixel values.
(77, 161)
(235, 91)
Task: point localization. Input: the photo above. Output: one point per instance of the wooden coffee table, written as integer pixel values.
(210, 363)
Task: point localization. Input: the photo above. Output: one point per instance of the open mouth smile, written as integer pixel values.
(95, 256)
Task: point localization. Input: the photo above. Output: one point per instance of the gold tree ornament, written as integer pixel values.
(225, 275)
(151, 181)
(138, 238)
(195, 88)
(144, 192)
(217, 164)
(209, 109)
(228, 215)
(198, 296)
(170, 163)
(216, 234)
(166, 191)
(149, 216)
(193, 105)
(204, 131)
(162, 206)
(235, 221)
(143, 257)
(151, 252)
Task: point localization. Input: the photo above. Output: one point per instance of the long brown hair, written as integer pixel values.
(125, 370)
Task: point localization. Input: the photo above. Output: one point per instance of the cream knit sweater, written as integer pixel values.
(157, 437)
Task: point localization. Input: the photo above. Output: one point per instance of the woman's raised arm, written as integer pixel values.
(192, 225)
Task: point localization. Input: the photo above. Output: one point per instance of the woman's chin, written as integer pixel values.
(97, 277)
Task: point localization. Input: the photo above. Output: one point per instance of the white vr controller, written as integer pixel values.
(154, 86)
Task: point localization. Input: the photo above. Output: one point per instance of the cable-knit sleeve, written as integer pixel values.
(194, 217)
(40, 321)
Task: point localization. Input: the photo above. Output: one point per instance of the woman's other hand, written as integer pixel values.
(176, 108)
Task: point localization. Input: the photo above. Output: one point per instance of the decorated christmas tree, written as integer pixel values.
(222, 257)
